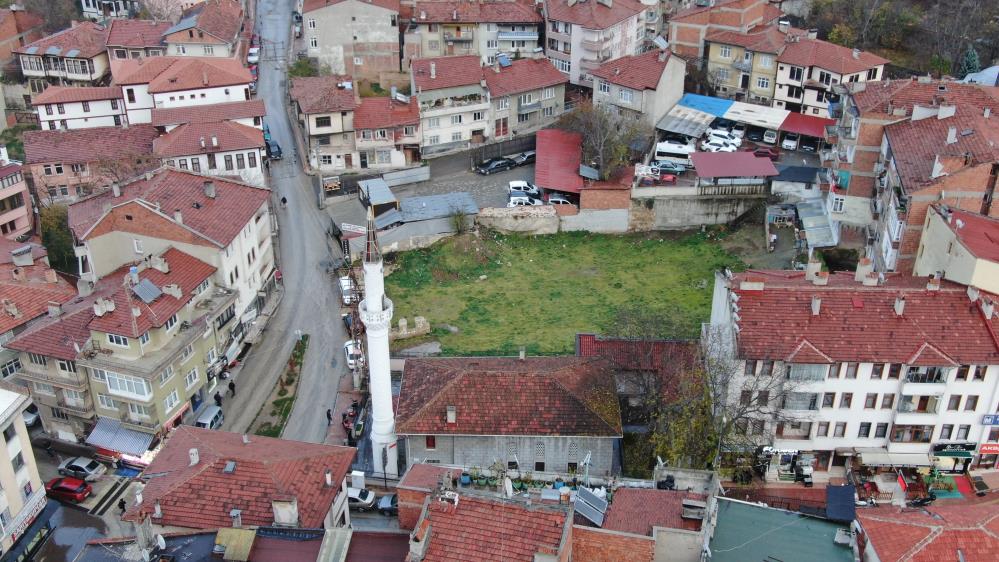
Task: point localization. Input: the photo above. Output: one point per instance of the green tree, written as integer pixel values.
(606, 136)
(842, 34)
(57, 238)
(303, 68)
(939, 65)
(970, 62)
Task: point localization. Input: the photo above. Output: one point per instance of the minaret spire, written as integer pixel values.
(372, 253)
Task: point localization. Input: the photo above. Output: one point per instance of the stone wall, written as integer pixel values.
(677, 213)
(607, 221)
(523, 220)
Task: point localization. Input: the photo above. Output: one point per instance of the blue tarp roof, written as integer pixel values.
(801, 174)
(715, 106)
(839, 503)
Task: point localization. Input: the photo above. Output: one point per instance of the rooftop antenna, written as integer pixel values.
(587, 461)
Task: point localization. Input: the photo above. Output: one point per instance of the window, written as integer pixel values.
(766, 61)
(10, 367)
(170, 323)
(763, 398)
(187, 353)
(44, 388)
(750, 369)
(627, 96)
(946, 430)
(228, 162)
(358, 61)
(894, 370)
(195, 164)
(240, 161)
(456, 119)
(828, 399)
(125, 384)
(171, 402)
(37, 359)
(881, 430)
(562, 65)
(548, 111)
(314, 42)
(61, 108)
(725, 52)
(86, 107)
(324, 121)
(166, 375)
(846, 400)
(120, 54)
(865, 430)
(911, 433)
(326, 159)
(548, 93)
(970, 404)
(877, 370)
(191, 379)
(251, 159)
(138, 410)
(456, 136)
(410, 130)
(872, 74)
(767, 368)
(115, 339)
(822, 430)
(492, 44)
(851, 370)
(433, 45)
(871, 401)
(604, 87)
(962, 432)
(18, 462)
(980, 373)
(758, 426)
(433, 122)
(962, 372)
(433, 139)
(954, 403)
(212, 164)
(840, 429)
(511, 455)
(887, 401)
(312, 23)
(763, 83)
(745, 397)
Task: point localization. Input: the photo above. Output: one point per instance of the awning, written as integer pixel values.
(807, 125)
(756, 115)
(884, 458)
(558, 160)
(110, 434)
(685, 121)
(839, 503)
(818, 229)
(954, 454)
(707, 104)
(376, 191)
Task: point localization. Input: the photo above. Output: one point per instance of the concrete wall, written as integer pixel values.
(353, 30)
(688, 212)
(530, 220)
(483, 451)
(677, 545)
(590, 220)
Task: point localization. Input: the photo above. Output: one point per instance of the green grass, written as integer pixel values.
(541, 291)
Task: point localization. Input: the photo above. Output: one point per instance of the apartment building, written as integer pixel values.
(644, 86)
(64, 107)
(71, 57)
(220, 148)
(689, 28)
(359, 38)
(454, 102)
(249, 113)
(133, 39)
(387, 132)
(325, 107)
(809, 68)
(743, 66)
(959, 246)
(865, 364)
(583, 35)
(16, 216)
(22, 492)
(166, 82)
(487, 29)
(526, 95)
(221, 222)
(138, 355)
(100, 10)
(209, 28)
(18, 27)
(67, 164)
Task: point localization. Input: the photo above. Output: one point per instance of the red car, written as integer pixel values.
(68, 489)
(765, 152)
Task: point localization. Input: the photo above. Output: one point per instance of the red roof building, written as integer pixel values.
(558, 160)
(638, 72)
(323, 94)
(27, 285)
(18, 27)
(639, 511)
(446, 72)
(204, 475)
(524, 75)
(175, 74)
(208, 137)
(385, 113)
(82, 40)
(491, 11)
(962, 246)
(962, 530)
(250, 112)
(68, 94)
(592, 15)
(732, 165)
(128, 38)
(73, 56)
(213, 22)
(807, 52)
(689, 28)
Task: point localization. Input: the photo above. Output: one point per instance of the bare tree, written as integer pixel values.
(606, 135)
(163, 10)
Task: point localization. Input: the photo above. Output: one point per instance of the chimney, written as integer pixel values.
(246, 439)
(133, 275)
(160, 264)
(856, 53)
(783, 26)
(988, 308)
(173, 290)
(202, 142)
(813, 34)
(523, 353)
(933, 283)
(115, 189)
(752, 284)
(433, 70)
(10, 308)
(821, 278)
(209, 186)
(329, 478)
(51, 276)
(55, 309)
(215, 141)
(864, 267)
(157, 511)
(812, 269)
(423, 14)
(972, 293)
(951, 135)
(22, 256)
(99, 309)
(987, 112)
(179, 218)
(899, 305)
(18, 274)
(816, 305)
(454, 15)
(452, 415)
(193, 454)
(237, 518)
(871, 279)
(946, 110)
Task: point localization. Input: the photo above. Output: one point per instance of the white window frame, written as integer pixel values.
(66, 366)
(43, 388)
(433, 123)
(547, 93)
(838, 204)
(170, 323)
(106, 402)
(456, 119)
(127, 386)
(191, 378)
(144, 339)
(503, 103)
(138, 410)
(313, 42)
(762, 82)
(725, 52)
(626, 95)
(117, 340)
(166, 375)
(171, 401)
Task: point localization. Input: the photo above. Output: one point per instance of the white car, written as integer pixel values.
(347, 293)
(672, 147)
(739, 130)
(360, 499)
(253, 55)
(84, 468)
(724, 136)
(770, 136)
(523, 200)
(352, 351)
(556, 199)
(790, 141)
(717, 145)
(524, 187)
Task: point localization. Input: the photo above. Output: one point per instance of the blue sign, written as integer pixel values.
(990, 419)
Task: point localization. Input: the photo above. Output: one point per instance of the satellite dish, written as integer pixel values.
(507, 487)
(160, 542)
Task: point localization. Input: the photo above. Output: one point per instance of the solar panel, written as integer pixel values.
(588, 172)
(503, 60)
(550, 494)
(146, 291)
(589, 497)
(589, 512)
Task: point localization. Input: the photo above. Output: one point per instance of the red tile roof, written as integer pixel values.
(311, 5)
(136, 33)
(369, 546)
(830, 56)
(87, 38)
(172, 74)
(485, 530)
(322, 94)
(187, 139)
(217, 220)
(68, 94)
(202, 496)
(509, 396)
(186, 271)
(978, 233)
(21, 301)
(760, 39)
(808, 125)
(634, 354)
(422, 476)
(38, 251)
(7, 170)
(593, 15)
(917, 536)
(450, 72)
(558, 160)
(637, 511)
(732, 165)
(639, 72)
(904, 94)
(475, 12)
(384, 113)
(221, 19)
(23, 20)
(88, 145)
(705, 15)
(915, 146)
(858, 323)
(229, 111)
(58, 337)
(522, 75)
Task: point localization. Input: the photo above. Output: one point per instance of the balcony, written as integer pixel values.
(597, 43)
(459, 36)
(517, 35)
(743, 65)
(529, 107)
(137, 422)
(73, 381)
(447, 105)
(81, 408)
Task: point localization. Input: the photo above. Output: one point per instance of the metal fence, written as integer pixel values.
(503, 148)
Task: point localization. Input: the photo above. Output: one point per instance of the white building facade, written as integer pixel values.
(581, 36)
(79, 108)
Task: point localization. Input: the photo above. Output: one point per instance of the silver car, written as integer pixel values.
(84, 468)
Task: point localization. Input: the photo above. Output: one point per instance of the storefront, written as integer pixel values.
(953, 457)
(988, 456)
(31, 528)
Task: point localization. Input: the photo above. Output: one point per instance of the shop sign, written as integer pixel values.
(948, 447)
(28, 517)
(901, 483)
(989, 449)
(773, 451)
(990, 419)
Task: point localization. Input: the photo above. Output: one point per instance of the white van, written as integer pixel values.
(347, 290)
(211, 418)
(770, 137)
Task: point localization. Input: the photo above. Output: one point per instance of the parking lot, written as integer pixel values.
(488, 191)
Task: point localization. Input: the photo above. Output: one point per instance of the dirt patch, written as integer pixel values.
(273, 415)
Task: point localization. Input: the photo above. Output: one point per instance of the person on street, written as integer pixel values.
(218, 399)
(232, 388)
(121, 506)
(329, 416)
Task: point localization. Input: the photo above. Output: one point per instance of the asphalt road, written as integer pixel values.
(310, 303)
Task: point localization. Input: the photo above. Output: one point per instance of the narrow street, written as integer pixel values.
(311, 304)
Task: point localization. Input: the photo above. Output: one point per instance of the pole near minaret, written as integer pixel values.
(376, 313)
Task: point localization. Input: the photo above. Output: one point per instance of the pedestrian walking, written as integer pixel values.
(329, 416)
(218, 399)
(122, 506)
(232, 388)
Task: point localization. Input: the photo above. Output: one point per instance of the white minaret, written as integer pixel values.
(376, 313)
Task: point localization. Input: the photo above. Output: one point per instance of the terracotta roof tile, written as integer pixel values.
(637, 511)
(938, 535)
(23, 20)
(229, 111)
(978, 233)
(219, 220)
(384, 112)
(57, 337)
(311, 5)
(187, 139)
(593, 15)
(201, 496)
(422, 476)
(823, 54)
(450, 72)
(760, 39)
(915, 145)
(522, 75)
(88, 145)
(221, 19)
(475, 12)
(639, 72)
(68, 94)
(638, 354)
(27, 298)
(858, 323)
(904, 94)
(509, 396)
(136, 33)
(172, 74)
(87, 38)
(322, 94)
(558, 160)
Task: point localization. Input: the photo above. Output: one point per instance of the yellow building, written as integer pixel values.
(743, 66)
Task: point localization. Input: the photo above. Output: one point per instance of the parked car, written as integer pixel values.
(770, 136)
(353, 355)
(556, 199)
(347, 293)
(253, 71)
(790, 141)
(389, 505)
(739, 130)
(668, 166)
(525, 158)
(808, 145)
(30, 415)
(298, 30)
(267, 133)
(255, 40)
(672, 147)
(677, 138)
(524, 187)
(724, 136)
(296, 16)
(253, 87)
(360, 499)
(767, 152)
(494, 165)
(754, 134)
(273, 150)
(523, 200)
(717, 145)
(722, 123)
(68, 489)
(253, 55)
(84, 468)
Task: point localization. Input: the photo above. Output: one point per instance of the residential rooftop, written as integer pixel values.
(69, 94)
(926, 149)
(593, 15)
(978, 233)
(229, 111)
(760, 39)
(952, 531)
(323, 94)
(894, 96)
(523, 75)
(312, 5)
(221, 19)
(446, 72)
(27, 284)
(172, 74)
(207, 137)
(829, 56)
(136, 33)
(488, 11)
(638, 72)
(385, 113)
(82, 40)
(77, 146)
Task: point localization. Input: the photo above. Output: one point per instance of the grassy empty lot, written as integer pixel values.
(540, 291)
